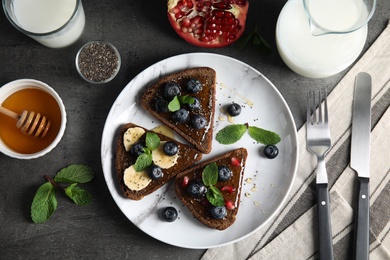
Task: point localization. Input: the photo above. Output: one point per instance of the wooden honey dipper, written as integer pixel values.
(29, 122)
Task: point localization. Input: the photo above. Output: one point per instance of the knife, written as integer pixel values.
(360, 161)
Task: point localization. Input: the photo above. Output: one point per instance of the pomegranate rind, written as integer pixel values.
(199, 21)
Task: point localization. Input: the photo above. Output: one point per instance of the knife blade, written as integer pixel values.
(360, 161)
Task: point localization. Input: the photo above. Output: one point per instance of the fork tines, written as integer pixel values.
(311, 102)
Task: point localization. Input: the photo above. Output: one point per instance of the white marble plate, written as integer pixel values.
(271, 180)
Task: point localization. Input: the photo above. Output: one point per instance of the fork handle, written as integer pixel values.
(324, 223)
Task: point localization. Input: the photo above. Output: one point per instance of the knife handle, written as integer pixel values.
(362, 220)
(324, 223)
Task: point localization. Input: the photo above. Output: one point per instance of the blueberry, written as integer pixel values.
(155, 172)
(224, 173)
(137, 149)
(180, 115)
(161, 105)
(171, 90)
(195, 105)
(196, 188)
(234, 109)
(170, 148)
(271, 151)
(198, 121)
(169, 214)
(193, 86)
(218, 212)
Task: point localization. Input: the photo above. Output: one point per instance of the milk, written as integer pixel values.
(316, 56)
(337, 15)
(42, 19)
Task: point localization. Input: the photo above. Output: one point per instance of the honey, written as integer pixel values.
(31, 99)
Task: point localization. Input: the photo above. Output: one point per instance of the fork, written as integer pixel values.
(319, 142)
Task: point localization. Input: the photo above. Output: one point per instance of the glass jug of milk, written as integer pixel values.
(320, 38)
(53, 23)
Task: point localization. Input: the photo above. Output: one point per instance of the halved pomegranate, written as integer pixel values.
(208, 23)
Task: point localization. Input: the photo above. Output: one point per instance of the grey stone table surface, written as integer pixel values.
(143, 35)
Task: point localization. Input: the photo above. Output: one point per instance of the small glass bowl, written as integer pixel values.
(98, 62)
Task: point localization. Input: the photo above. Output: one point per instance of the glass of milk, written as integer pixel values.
(320, 38)
(53, 23)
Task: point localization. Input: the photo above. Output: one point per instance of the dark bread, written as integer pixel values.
(187, 157)
(198, 207)
(202, 138)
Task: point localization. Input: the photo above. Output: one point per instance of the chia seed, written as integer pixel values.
(98, 62)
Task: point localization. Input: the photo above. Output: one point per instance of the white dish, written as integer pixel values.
(238, 82)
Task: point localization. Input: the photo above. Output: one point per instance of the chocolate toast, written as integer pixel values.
(126, 158)
(196, 116)
(200, 206)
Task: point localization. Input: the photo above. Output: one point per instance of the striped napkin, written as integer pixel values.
(291, 234)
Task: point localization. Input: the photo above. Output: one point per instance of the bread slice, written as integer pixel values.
(199, 207)
(187, 156)
(202, 138)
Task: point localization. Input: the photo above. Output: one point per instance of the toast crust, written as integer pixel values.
(202, 138)
(187, 157)
(198, 207)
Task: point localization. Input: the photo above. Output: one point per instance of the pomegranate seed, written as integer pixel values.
(235, 162)
(185, 22)
(222, 6)
(185, 182)
(205, 202)
(228, 189)
(229, 205)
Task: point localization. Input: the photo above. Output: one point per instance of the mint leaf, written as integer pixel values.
(152, 140)
(44, 203)
(258, 42)
(263, 136)
(186, 99)
(174, 105)
(243, 41)
(215, 197)
(210, 174)
(75, 173)
(143, 161)
(78, 195)
(231, 134)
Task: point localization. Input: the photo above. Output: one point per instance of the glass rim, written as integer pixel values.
(71, 18)
(324, 30)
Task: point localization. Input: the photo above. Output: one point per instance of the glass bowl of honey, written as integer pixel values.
(30, 95)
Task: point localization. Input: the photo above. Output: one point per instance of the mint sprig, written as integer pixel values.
(263, 136)
(75, 173)
(210, 178)
(79, 196)
(152, 141)
(45, 202)
(177, 101)
(174, 105)
(233, 133)
(257, 41)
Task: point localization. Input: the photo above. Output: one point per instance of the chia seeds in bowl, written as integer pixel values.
(98, 62)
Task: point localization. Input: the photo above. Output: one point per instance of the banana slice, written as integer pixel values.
(131, 136)
(136, 180)
(163, 160)
(164, 130)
